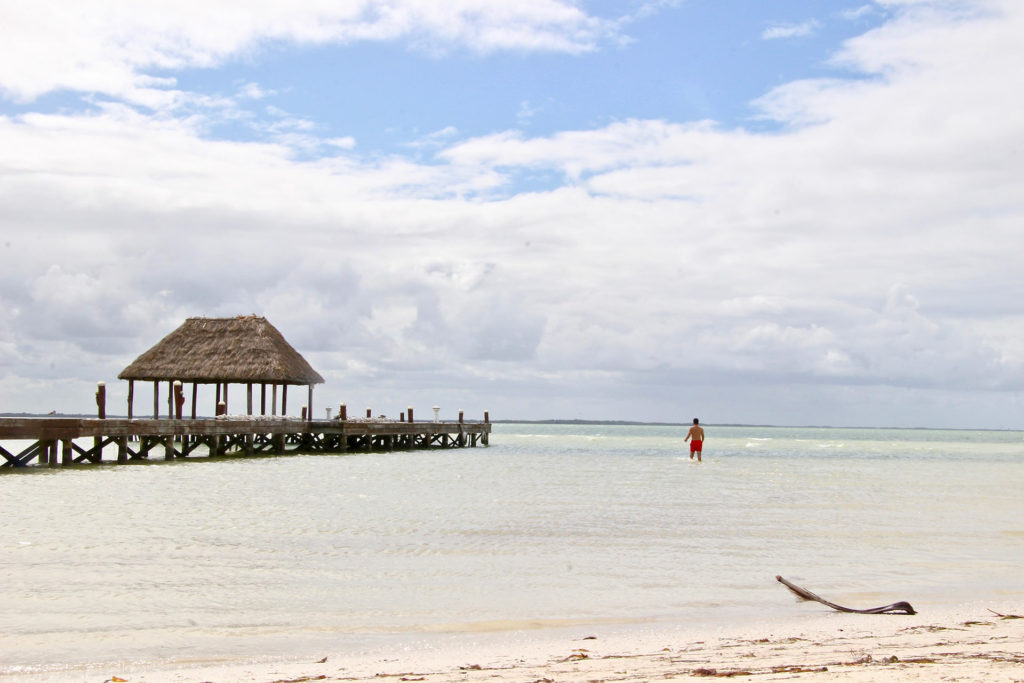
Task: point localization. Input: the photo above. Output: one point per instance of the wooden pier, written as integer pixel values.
(52, 440)
(245, 350)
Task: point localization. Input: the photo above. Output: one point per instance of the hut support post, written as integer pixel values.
(273, 398)
(263, 398)
(248, 398)
(309, 403)
(131, 398)
(156, 400)
(179, 400)
(195, 392)
(284, 399)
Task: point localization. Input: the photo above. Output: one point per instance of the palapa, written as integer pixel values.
(244, 349)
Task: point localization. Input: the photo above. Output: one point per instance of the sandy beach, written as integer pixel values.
(825, 647)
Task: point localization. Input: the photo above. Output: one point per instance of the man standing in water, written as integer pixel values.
(696, 433)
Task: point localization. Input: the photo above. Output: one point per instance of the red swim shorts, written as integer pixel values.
(696, 446)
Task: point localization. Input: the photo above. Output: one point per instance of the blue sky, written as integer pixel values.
(677, 61)
(697, 60)
(786, 212)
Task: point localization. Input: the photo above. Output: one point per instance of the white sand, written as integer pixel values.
(965, 645)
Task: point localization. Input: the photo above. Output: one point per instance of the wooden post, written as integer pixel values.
(101, 413)
(309, 403)
(225, 398)
(303, 413)
(101, 400)
(263, 398)
(487, 416)
(342, 412)
(68, 454)
(131, 398)
(284, 399)
(169, 447)
(401, 417)
(122, 449)
(461, 418)
(369, 412)
(179, 400)
(156, 400)
(248, 398)
(51, 453)
(410, 414)
(485, 437)
(216, 401)
(195, 392)
(170, 400)
(273, 398)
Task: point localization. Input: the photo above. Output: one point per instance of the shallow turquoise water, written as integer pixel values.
(550, 525)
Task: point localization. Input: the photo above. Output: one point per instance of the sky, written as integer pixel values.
(798, 212)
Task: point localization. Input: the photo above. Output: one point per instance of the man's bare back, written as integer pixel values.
(697, 434)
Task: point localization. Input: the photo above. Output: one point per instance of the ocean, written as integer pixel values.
(550, 527)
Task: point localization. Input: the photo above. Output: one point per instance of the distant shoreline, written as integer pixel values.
(612, 423)
(637, 423)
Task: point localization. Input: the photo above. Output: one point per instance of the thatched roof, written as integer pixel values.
(238, 350)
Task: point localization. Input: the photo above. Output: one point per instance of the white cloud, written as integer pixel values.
(253, 91)
(341, 143)
(526, 113)
(858, 12)
(872, 242)
(111, 47)
(780, 31)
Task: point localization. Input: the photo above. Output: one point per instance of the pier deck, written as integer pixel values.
(53, 439)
